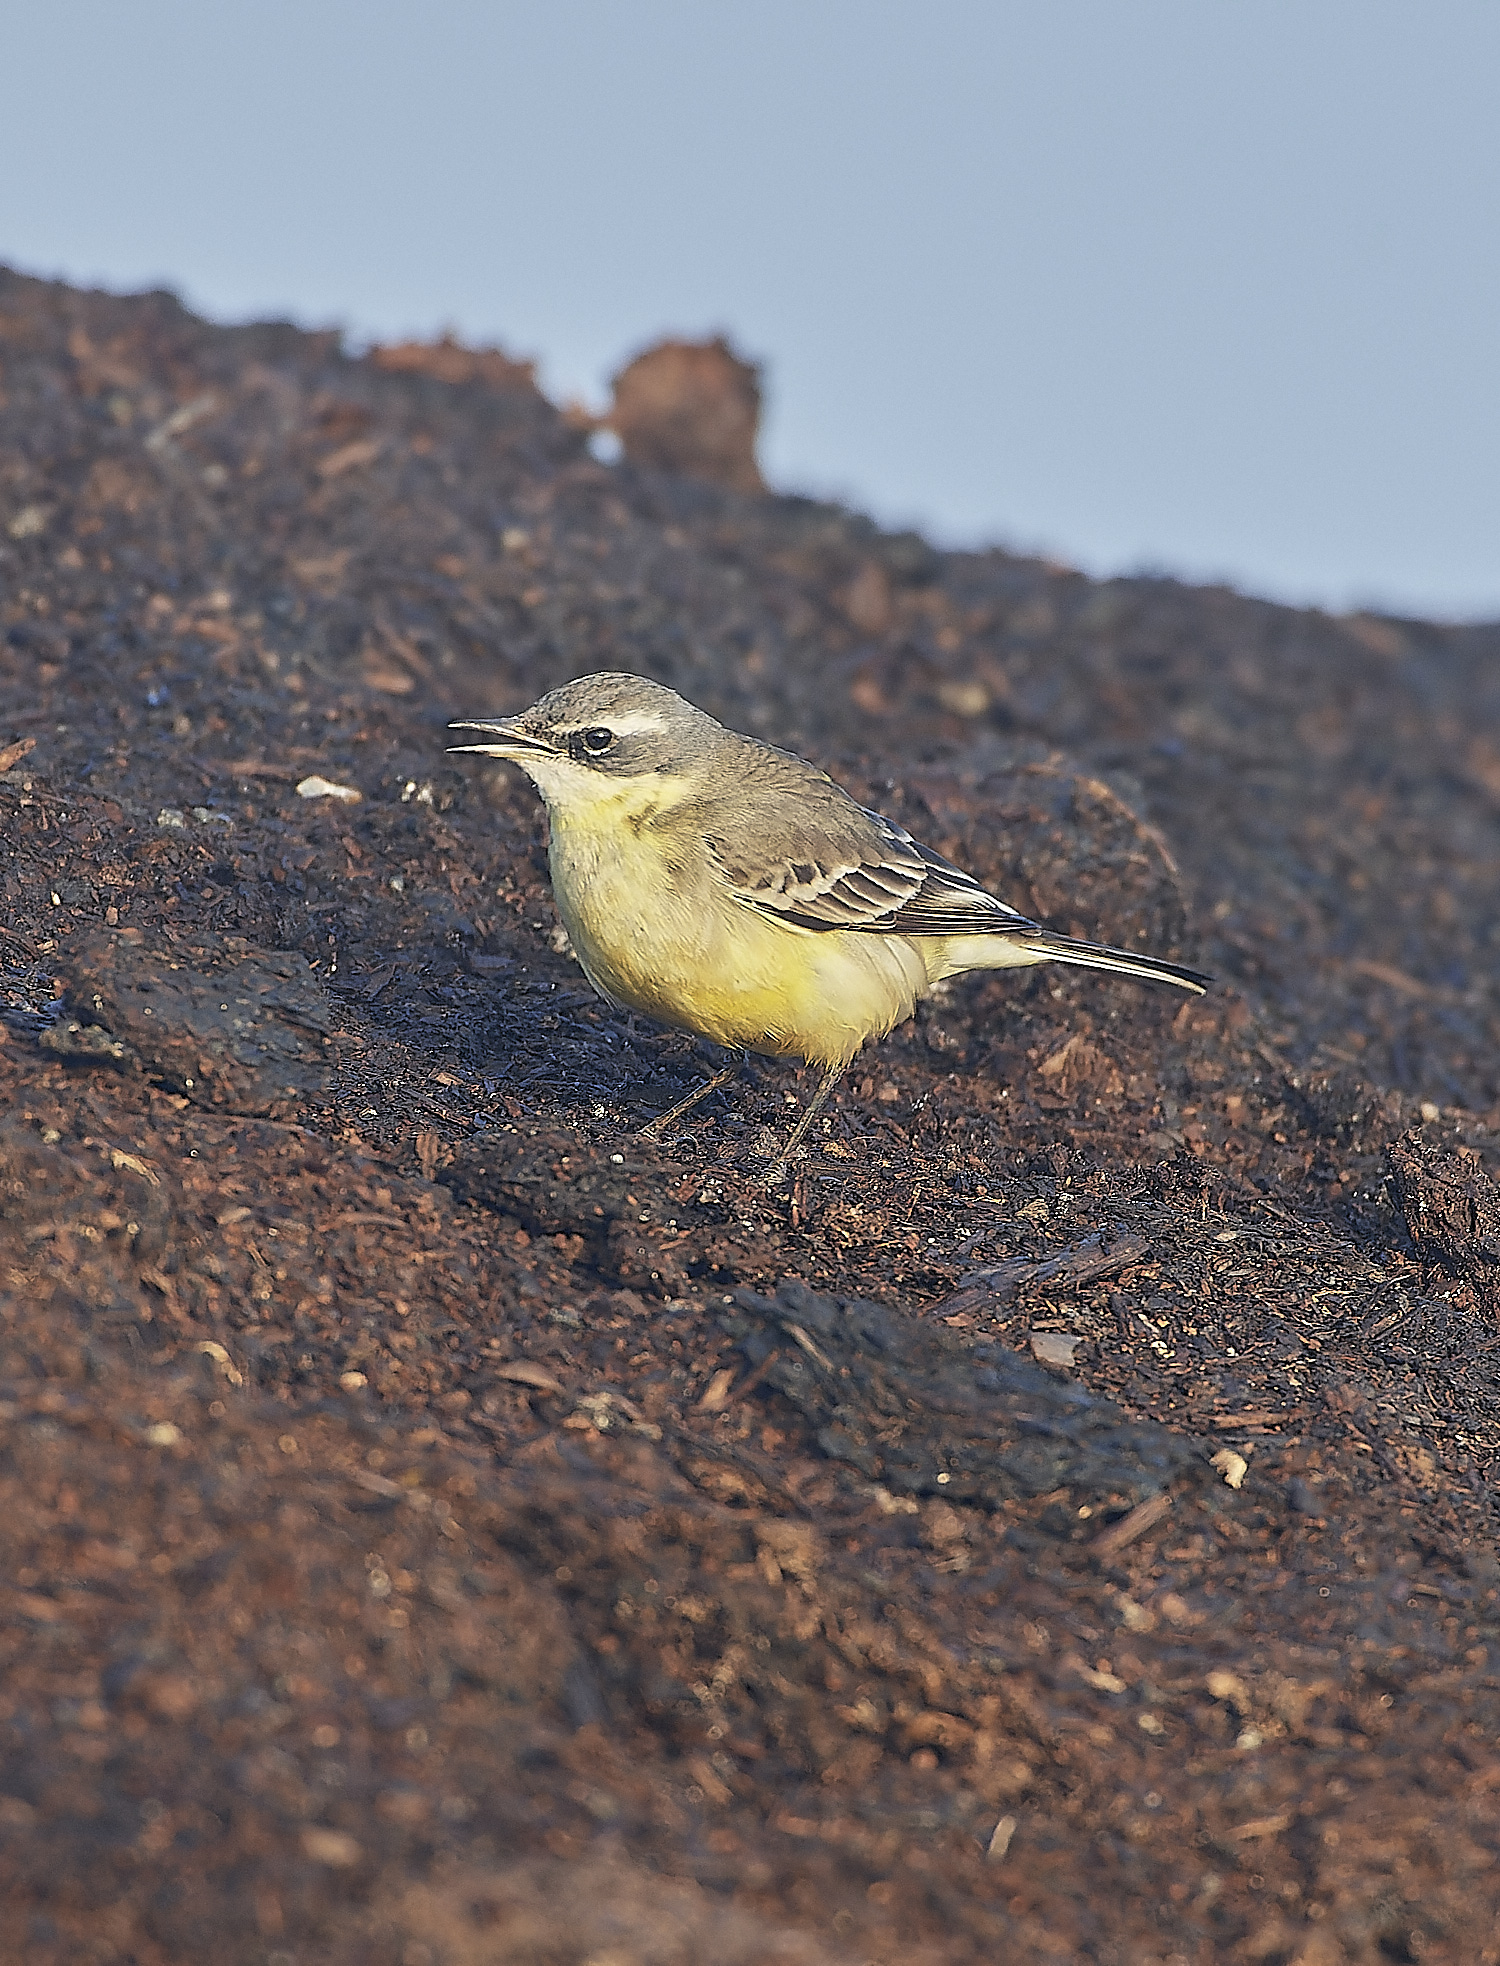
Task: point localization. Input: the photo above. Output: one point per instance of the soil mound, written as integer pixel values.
(439, 1526)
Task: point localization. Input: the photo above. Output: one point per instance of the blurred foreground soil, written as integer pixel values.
(440, 1529)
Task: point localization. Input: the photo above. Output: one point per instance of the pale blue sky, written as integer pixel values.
(1202, 286)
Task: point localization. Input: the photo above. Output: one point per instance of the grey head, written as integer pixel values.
(610, 724)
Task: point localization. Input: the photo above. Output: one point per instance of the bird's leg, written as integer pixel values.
(655, 1128)
(799, 1132)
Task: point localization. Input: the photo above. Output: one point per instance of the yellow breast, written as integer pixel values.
(658, 930)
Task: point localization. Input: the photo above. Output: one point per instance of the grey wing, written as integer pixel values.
(885, 883)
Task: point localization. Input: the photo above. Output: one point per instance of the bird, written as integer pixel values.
(727, 888)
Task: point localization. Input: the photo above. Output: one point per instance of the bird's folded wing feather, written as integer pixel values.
(875, 879)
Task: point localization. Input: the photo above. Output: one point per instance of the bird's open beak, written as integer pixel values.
(507, 737)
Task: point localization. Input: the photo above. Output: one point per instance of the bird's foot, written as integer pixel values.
(654, 1129)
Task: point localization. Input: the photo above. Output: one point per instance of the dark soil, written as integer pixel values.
(441, 1528)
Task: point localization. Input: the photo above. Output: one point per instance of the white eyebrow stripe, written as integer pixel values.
(635, 723)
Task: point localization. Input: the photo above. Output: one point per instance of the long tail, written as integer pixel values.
(1097, 955)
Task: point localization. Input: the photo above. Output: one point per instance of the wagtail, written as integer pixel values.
(733, 890)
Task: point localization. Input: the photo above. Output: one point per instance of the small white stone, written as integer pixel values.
(331, 1847)
(29, 521)
(325, 788)
(1054, 1347)
(1232, 1466)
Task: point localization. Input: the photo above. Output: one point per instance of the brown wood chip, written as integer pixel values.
(1145, 1515)
(524, 1373)
(1082, 1262)
(1228, 1422)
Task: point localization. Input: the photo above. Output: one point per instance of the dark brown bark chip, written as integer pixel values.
(920, 1411)
(245, 1033)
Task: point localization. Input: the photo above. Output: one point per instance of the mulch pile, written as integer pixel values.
(440, 1527)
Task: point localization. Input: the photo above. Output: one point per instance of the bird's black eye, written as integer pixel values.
(597, 741)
